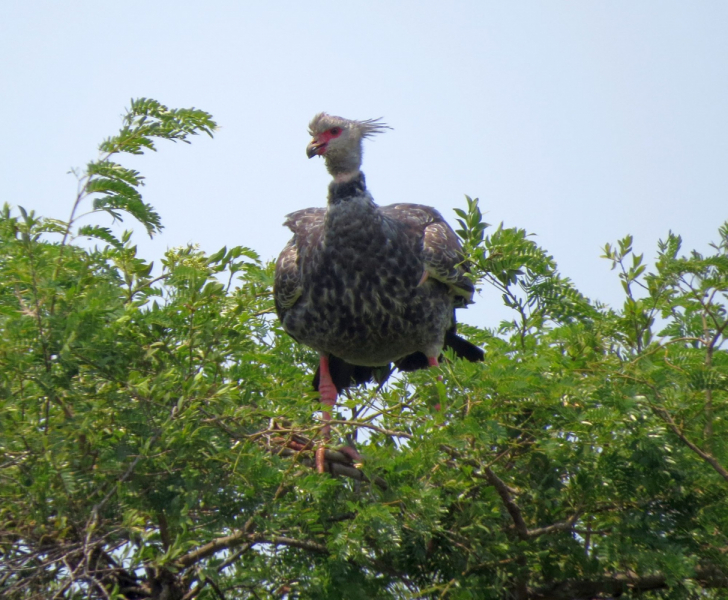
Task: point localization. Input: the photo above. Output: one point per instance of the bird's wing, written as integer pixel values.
(287, 284)
(307, 227)
(441, 250)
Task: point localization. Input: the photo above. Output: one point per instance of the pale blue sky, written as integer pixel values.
(580, 121)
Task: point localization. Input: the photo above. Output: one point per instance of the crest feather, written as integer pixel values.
(367, 128)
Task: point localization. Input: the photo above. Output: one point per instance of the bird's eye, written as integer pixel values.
(335, 131)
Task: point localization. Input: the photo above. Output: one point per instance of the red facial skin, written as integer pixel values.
(323, 139)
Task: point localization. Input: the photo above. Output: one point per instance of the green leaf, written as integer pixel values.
(100, 233)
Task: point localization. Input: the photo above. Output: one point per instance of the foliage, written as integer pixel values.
(585, 458)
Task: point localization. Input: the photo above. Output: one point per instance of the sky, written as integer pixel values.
(579, 121)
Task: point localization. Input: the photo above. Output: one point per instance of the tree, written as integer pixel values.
(156, 432)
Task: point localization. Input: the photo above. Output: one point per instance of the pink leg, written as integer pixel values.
(327, 389)
(432, 361)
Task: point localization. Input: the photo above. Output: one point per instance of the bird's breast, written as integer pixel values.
(362, 299)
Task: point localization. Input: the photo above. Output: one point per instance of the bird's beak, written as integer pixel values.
(315, 148)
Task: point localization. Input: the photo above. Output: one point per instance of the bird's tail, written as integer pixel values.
(462, 347)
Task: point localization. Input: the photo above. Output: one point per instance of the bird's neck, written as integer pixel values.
(347, 186)
(345, 161)
(345, 177)
(352, 219)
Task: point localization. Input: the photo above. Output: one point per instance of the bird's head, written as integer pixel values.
(339, 142)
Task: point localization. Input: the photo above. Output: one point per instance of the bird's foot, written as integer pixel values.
(321, 459)
(351, 453)
(347, 451)
(329, 394)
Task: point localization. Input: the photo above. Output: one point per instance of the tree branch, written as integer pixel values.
(510, 505)
(389, 432)
(241, 537)
(709, 458)
(620, 584)
(561, 526)
(513, 509)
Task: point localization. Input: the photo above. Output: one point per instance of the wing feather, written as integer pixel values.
(441, 249)
(287, 284)
(307, 227)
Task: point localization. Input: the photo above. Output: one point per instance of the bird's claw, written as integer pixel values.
(348, 451)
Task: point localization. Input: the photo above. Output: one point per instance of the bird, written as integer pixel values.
(368, 287)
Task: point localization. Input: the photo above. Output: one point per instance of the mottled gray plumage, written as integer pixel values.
(365, 284)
